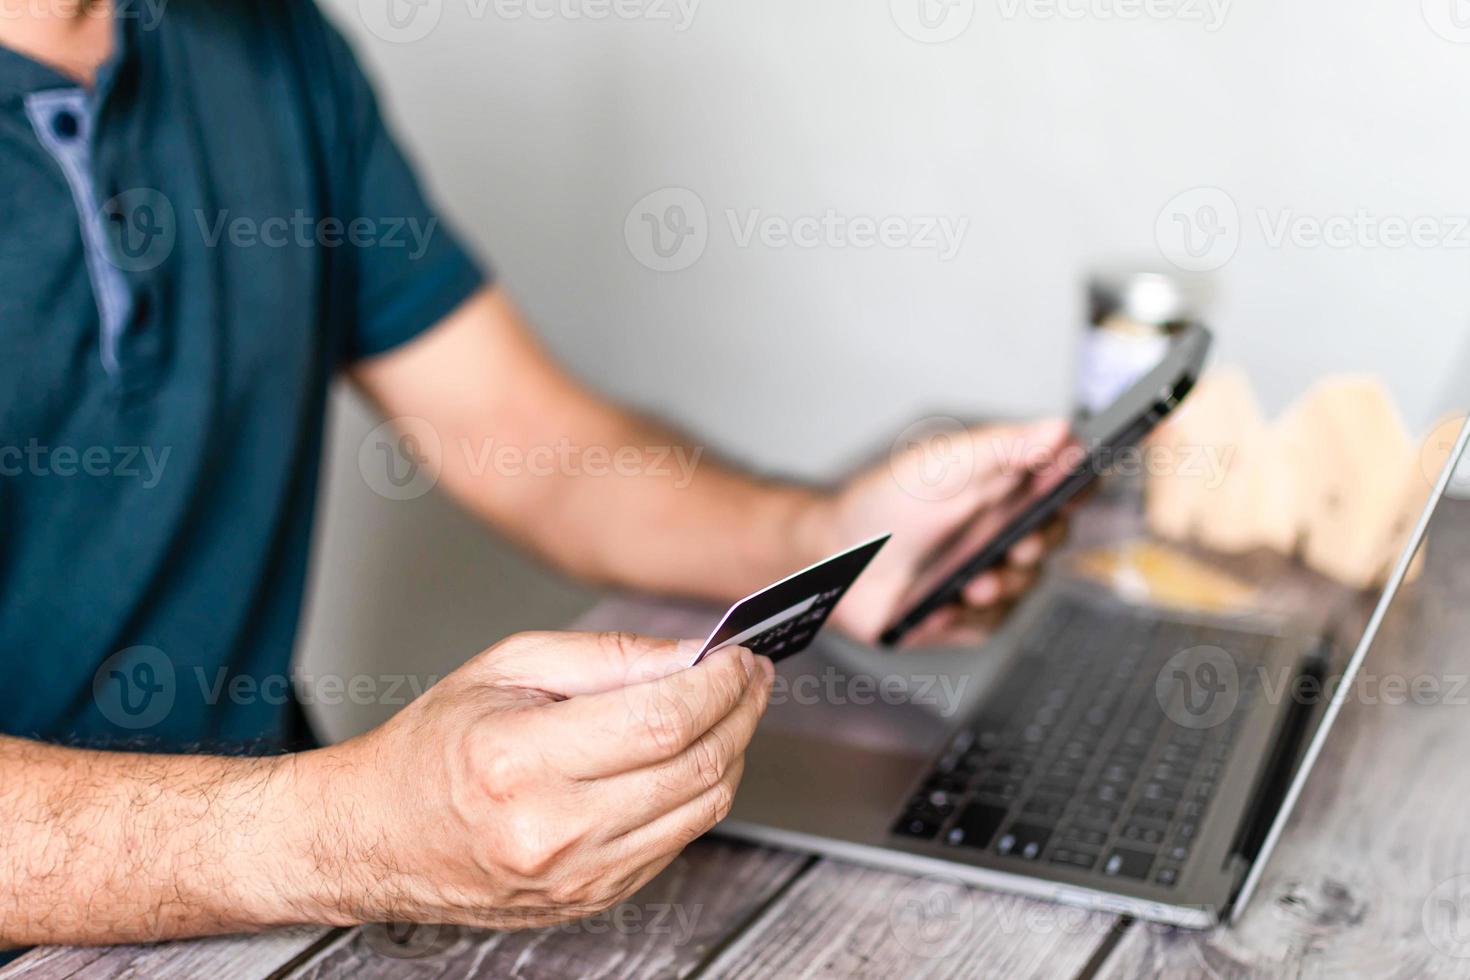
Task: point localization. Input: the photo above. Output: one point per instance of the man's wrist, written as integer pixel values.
(291, 860)
(804, 527)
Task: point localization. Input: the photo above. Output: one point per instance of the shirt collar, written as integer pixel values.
(21, 74)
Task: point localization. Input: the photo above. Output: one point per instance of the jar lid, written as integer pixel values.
(1145, 297)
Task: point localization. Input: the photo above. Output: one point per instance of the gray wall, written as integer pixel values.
(1060, 142)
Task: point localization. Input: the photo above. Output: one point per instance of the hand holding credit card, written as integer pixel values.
(783, 619)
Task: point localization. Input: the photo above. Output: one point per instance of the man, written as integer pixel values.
(162, 392)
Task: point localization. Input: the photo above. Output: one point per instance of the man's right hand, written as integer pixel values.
(549, 778)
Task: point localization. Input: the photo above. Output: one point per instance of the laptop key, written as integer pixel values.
(1129, 864)
(919, 826)
(1097, 817)
(1042, 812)
(1000, 788)
(976, 825)
(1082, 859)
(1081, 835)
(1143, 835)
(1023, 841)
(1153, 812)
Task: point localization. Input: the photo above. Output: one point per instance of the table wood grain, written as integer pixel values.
(1372, 879)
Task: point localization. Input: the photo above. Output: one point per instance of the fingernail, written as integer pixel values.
(769, 666)
(747, 660)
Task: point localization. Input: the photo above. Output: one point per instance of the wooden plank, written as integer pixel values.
(242, 957)
(842, 920)
(1373, 877)
(667, 930)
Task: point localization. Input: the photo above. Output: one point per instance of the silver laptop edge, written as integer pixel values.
(1350, 673)
(906, 862)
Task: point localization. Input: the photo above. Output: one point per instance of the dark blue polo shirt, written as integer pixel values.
(190, 252)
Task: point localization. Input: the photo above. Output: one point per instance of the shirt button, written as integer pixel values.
(66, 124)
(142, 307)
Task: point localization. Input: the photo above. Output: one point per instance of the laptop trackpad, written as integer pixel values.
(818, 787)
(840, 748)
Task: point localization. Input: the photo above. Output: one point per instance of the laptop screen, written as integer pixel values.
(1426, 569)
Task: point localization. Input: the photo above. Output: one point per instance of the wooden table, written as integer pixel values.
(1372, 879)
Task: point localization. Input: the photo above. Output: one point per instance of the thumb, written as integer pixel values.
(568, 664)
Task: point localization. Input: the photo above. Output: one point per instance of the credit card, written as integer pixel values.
(783, 619)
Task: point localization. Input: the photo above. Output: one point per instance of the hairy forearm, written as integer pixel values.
(103, 847)
(675, 520)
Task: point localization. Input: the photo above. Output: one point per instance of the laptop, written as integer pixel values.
(1100, 753)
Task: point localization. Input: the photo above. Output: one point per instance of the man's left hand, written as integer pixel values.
(929, 488)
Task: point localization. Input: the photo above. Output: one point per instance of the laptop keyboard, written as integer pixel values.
(1076, 763)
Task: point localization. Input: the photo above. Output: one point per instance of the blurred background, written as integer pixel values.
(792, 227)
